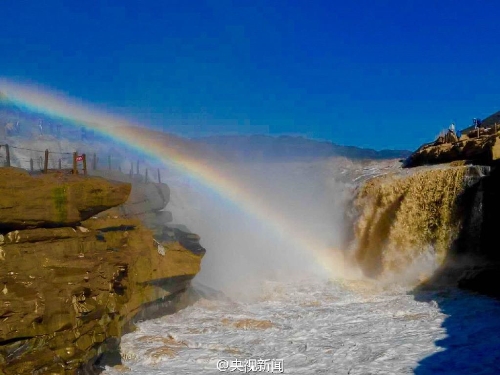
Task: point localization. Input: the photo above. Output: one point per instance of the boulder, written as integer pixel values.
(54, 199)
(181, 234)
(145, 198)
(150, 197)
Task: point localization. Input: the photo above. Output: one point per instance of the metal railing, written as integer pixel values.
(46, 161)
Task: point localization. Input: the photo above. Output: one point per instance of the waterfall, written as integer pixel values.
(405, 215)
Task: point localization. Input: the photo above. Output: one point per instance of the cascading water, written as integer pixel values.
(320, 326)
(402, 216)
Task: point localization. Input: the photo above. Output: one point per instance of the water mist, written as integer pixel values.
(244, 251)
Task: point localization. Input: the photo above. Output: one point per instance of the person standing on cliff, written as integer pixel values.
(452, 128)
(477, 123)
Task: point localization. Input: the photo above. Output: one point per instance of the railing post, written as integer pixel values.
(109, 162)
(74, 163)
(46, 161)
(120, 168)
(40, 163)
(94, 162)
(7, 156)
(159, 178)
(137, 168)
(60, 167)
(146, 177)
(31, 164)
(84, 164)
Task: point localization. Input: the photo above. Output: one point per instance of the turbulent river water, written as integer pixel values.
(314, 323)
(278, 306)
(324, 327)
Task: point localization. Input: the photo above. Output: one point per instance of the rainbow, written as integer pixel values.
(45, 101)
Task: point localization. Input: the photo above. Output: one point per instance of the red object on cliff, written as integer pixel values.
(79, 158)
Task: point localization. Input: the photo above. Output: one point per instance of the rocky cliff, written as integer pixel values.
(147, 202)
(75, 273)
(54, 200)
(483, 149)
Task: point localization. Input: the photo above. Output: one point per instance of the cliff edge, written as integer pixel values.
(75, 270)
(482, 147)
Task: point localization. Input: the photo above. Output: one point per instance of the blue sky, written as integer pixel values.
(379, 74)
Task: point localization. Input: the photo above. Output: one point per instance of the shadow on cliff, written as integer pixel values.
(472, 345)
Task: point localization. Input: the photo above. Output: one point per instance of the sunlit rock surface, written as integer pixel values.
(55, 199)
(68, 293)
(484, 149)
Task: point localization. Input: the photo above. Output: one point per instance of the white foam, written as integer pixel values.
(316, 327)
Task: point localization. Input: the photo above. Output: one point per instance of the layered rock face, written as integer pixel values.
(68, 293)
(52, 200)
(484, 149)
(147, 203)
